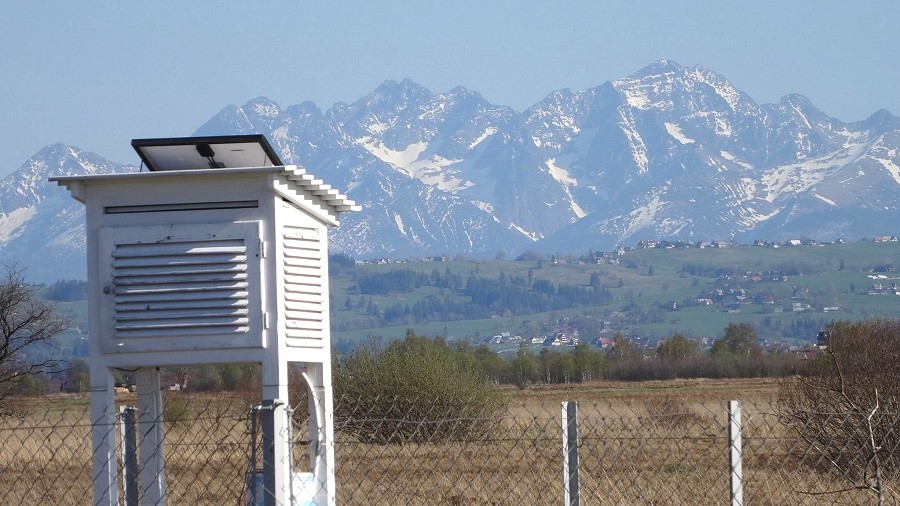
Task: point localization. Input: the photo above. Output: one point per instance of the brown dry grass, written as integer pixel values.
(640, 443)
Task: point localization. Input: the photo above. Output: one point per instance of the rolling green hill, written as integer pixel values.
(787, 293)
(648, 293)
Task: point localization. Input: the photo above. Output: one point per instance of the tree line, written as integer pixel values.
(735, 355)
(482, 297)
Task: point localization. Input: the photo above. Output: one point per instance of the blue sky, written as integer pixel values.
(97, 74)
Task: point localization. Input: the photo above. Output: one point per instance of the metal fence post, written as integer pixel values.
(252, 484)
(734, 438)
(268, 447)
(289, 412)
(129, 455)
(274, 459)
(570, 452)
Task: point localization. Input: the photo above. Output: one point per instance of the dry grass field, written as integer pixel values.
(640, 443)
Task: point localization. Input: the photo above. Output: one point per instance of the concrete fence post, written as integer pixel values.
(735, 453)
(570, 452)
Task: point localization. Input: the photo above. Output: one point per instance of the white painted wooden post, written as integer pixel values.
(570, 452)
(103, 436)
(152, 474)
(735, 453)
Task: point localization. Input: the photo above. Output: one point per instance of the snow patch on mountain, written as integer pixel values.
(825, 200)
(672, 226)
(266, 109)
(10, 223)
(891, 167)
(636, 142)
(395, 158)
(723, 127)
(484, 206)
(376, 127)
(533, 236)
(886, 156)
(487, 133)
(722, 88)
(731, 158)
(399, 221)
(801, 116)
(640, 90)
(431, 171)
(801, 176)
(560, 174)
(675, 131)
(751, 217)
(645, 215)
(435, 110)
(851, 137)
(637, 98)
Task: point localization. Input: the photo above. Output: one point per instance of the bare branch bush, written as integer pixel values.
(26, 322)
(845, 408)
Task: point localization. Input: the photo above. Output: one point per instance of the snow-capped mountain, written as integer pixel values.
(41, 226)
(669, 152)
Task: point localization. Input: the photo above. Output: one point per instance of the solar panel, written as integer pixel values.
(190, 153)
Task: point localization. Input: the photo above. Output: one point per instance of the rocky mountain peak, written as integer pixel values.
(669, 152)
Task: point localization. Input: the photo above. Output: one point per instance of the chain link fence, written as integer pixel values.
(650, 450)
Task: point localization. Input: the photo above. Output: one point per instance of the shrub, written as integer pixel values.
(24, 385)
(414, 389)
(845, 406)
(176, 408)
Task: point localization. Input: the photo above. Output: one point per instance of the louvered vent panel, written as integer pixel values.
(185, 288)
(304, 282)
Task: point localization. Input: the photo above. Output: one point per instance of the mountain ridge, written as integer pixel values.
(668, 152)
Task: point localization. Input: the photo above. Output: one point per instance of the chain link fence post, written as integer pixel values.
(128, 422)
(570, 452)
(275, 472)
(252, 468)
(735, 447)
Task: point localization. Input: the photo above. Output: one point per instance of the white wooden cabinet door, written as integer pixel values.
(181, 287)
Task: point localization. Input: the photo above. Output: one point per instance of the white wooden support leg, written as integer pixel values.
(103, 436)
(152, 474)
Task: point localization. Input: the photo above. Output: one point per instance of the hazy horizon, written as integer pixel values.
(96, 78)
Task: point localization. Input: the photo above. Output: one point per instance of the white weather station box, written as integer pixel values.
(217, 254)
